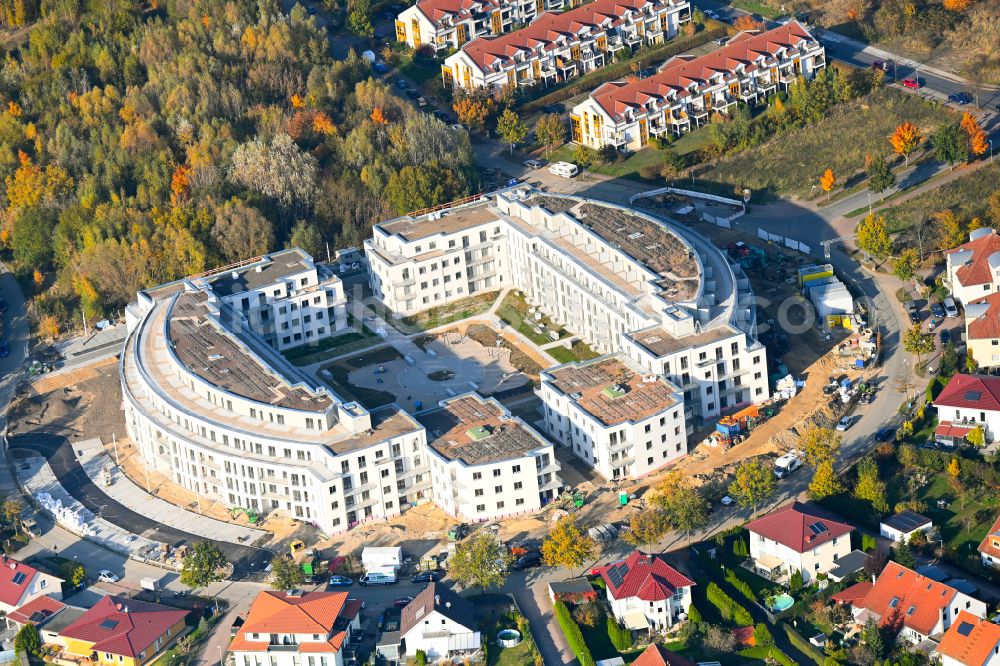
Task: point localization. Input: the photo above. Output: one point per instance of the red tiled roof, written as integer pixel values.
(124, 626)
(987, 547)
(853, 594)
(987, 325)
(791, 526)
(657, 655)
(645, 576)
(310, 613)
(45, 607)
(10, 571)
(901, 594)
(548, 27)
(970, 640)
(678, 73)
(946, 429)
(971, 392)
(435, 10)
(977, 270)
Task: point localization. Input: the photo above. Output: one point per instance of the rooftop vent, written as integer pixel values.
(479, 432)
(616, 391)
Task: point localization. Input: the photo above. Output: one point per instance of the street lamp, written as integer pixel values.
(220, 654)
(869, 203)
(991, 150)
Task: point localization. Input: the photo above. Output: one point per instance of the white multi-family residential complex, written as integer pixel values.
(619, 421)
(557, 47)
(448, 24)
(214, 407)
(622, 280)
(686, 90)
(485, 463)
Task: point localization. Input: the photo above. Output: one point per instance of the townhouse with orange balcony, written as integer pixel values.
(559, 47)
(686, 90)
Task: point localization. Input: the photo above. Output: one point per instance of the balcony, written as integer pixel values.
(551, 468)
(553, 484)
(723, 103)
(697, 113)
(748, 92)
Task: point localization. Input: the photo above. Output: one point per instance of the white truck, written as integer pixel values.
(381, 559)
(787, 463)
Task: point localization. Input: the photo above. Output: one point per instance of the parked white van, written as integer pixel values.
(378, 578)
(787, 464)
(950, 309)
(564, 169)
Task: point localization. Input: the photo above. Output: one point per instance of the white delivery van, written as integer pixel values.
(787, 464)
(378, 578)
(564, 169)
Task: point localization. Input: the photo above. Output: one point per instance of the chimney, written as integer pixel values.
(447, 604)
(118, 606)
(12, 564)
(437, 599)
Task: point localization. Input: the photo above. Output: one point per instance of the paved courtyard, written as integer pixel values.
(449, 365)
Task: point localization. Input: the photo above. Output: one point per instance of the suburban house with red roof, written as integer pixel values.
(989, 548)
(440, 623)
(968, 402)
(657, 655)
(970, 641)
(915, 605)
(21, 583)
(447, 24)
(123, 631)
(297, 628)
(646, 593)
(982, 330)
(559, 46)
(973, 269)
(686, 90)
(798, 537)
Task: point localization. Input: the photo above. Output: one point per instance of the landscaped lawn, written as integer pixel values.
(791, 162)
(340, 370)
(446, 314)
(755, 7)
(514, 311)
(418, 70)
(345, 343)
(581, 351)
(519, 655)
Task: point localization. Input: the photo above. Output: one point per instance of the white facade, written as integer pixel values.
(684, 93)
(973, 269)
(438, 636)
(680, 309)
(629, 443)
(661, 615)
(557, 47)
(896, 535)
(448, 24)
(812, 561)
(971, 417)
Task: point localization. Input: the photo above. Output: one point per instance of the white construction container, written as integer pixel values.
(831, 299)
(382, 558)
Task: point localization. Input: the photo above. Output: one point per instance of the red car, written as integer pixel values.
(914, 83)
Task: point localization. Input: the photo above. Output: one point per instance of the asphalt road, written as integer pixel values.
(58, 450)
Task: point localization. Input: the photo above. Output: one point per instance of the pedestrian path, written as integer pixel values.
(101, 469)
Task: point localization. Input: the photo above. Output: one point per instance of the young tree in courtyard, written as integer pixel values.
(916, 341)
(567, 545)
(28, 641)
(511, 128)
(203, 565)
(480, 561)
(550, 130)
(753, 485)
(584, 157)
(286, 573)
(905, 140)
(905, 265)
(873, 237)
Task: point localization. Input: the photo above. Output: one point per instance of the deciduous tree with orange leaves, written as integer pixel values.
(905, 140)
(473, 111)
(956, 5)
(977, 137)
(827, 181)
(378, 118)
(747, 22)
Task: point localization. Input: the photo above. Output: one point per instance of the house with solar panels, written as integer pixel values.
(22, 583)
(967, 402)
(799, 536)
(645, 593)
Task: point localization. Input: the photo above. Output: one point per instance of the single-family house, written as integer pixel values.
(440, 623)
(915, 605)
(21, 583)
(982, 330)
(297, 628)
(973, 269)
(119, 631)
(798, 537)
(989, 548)
(904, 525)
(657, 655)
(645, 592)
(970, 641)
(966, 403)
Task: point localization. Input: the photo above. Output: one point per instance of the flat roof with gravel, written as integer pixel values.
(658, 341)
(477, 432)
(445, 221)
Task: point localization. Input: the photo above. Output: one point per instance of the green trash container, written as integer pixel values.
(623, 498)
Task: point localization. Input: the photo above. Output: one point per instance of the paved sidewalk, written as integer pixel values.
(94, 459)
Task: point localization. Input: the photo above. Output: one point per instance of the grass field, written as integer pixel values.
(514, 311)
(345, 343)
(581, 351)
(966, 196)
(755, 7)
(446, 314)
(632, 166)
(419, 70)
(792, 162)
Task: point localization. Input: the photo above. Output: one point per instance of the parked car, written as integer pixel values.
(945, 336)
(886, 434)
(710, 14)
(401, 84)
(401, 602)
(960, 98)
(881, 64)
(721, 41)
(413, 94)
(913, 311)
(950, 309)
(4, 349)
(377, 578)
(106, 576)
(3, 306)
(913, 82)
(340, 581)
(844, 423)
(937, 310)
(532, 164)
(426, 577)
(311, 10)
(727, 500)
(528, 561)
(380, 68)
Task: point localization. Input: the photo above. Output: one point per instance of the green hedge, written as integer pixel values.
(571, 630)
(728, 608)
(620, 70)
(802, 645)
(741, 585)
(620, 637)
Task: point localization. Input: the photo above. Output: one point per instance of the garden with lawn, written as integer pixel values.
(358, 337)
(535, 326)
(336, 375)
(578, 351)
(445, 314)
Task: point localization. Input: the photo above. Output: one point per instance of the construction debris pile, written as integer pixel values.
(787, 388)
(860, 350)
(73, 520)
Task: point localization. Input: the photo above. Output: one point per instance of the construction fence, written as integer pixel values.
(790, 243)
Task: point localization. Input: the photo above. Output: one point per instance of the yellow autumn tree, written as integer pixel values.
(747, 22)
(297, 102)
(38, 278)
(950, 233)
(954, 468)
(48, 327)
(978, 144)
(905, 140)
(473, 111)
(827, 181)
(323, 125)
